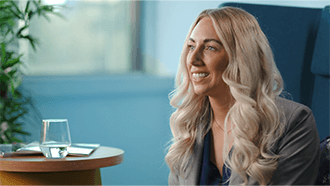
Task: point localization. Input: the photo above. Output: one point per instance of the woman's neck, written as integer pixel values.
(220, 108)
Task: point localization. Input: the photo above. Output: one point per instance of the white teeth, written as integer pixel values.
(200, 75)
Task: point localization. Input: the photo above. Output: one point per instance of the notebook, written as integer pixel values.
(76, 149)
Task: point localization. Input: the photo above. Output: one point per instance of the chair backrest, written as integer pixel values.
(296, 41)
(291, 32)
(320, 68)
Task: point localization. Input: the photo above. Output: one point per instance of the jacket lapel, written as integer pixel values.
(195, 163)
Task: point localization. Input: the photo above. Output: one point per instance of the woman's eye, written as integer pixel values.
(210, 48)
(191, 47)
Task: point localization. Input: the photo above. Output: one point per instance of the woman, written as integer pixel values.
(230, 125)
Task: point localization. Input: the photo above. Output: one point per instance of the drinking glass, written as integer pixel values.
(55, 138)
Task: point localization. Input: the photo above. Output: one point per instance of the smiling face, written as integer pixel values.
(206, 60)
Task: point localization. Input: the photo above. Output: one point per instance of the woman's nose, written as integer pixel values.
(196, 58)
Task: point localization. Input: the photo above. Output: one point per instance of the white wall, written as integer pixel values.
(165, 36)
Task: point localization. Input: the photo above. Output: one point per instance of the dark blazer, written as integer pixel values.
(299, 147)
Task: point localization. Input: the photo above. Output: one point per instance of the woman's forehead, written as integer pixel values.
(204, 30)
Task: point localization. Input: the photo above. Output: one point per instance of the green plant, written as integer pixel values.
(15, 102)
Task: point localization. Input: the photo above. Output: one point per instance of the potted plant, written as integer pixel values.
(15, 102)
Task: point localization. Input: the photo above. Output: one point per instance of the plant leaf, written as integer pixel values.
(38, 7)
(11, 120)
(45, 16)
(12, 62)
(3, 52)
(2, 2)
(21, 30)
(13, 12)
(4, 77)
(27, 7)
(12, 73)
(14, 139)
(7, 136)
(47, 8)
(32, 41)
(3, 8)
(1, 141)
(20, 131)
(19, 14)
(30, 14)
(12, 87)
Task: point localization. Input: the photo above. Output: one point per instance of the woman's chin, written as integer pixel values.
(200, 91)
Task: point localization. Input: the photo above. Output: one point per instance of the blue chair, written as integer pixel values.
(324, 174)
(320, 68)
(299, 39)
(320, 101)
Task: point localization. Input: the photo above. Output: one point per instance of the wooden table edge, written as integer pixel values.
(70, 163)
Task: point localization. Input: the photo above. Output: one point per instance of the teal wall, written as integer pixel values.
(127, 112)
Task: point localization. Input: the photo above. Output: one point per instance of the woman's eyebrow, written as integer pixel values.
(215, 40)
(207, 40)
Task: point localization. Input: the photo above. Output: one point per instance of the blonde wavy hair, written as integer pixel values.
(254, 82)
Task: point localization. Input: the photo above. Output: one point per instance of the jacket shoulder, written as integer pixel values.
(293, 112)
(289, 106)
(298, 145)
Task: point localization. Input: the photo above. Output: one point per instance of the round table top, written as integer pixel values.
(101, 157)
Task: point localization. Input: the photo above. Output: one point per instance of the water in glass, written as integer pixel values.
(54, 149)
(55, 138)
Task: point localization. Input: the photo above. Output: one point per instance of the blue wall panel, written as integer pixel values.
(127, 112)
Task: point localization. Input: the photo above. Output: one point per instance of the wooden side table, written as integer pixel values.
(72, 170)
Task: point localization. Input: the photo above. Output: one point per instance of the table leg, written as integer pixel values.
(85, 177)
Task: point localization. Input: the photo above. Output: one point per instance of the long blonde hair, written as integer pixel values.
(254, 82)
